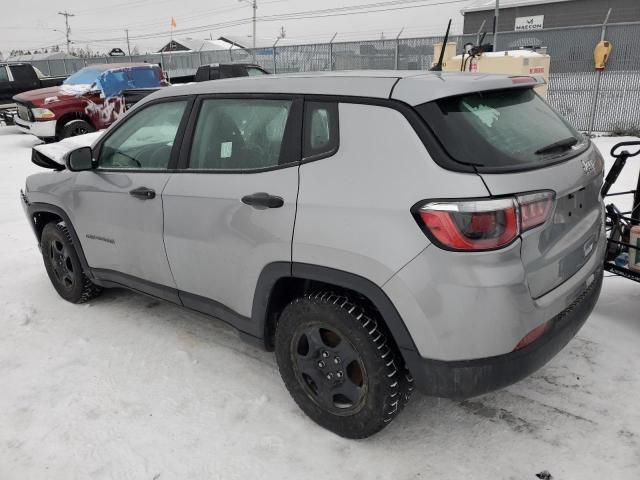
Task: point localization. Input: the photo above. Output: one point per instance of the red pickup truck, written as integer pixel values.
(90, 99)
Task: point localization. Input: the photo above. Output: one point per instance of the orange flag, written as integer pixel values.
(173, 22)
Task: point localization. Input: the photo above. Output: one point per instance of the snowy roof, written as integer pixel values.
(34, 57)
(199, 45)
(513, 53)
(483, 5)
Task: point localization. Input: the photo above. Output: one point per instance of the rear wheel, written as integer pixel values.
(340, 365)
(73, 128)
(63, 265)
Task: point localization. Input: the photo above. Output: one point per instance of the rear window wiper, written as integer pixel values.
(560, 144)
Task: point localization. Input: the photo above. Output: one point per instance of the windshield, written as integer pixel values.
(86, 76)
(501, 129)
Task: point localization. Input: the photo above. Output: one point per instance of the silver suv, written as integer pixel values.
(378, 230)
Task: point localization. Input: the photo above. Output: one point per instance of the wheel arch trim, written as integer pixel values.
(35, 208)
(276, 271)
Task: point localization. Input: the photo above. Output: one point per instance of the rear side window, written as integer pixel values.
(255, 72)
(502, 129)
(4, 75)
(24, 75)
(240, 134)
(321, 133)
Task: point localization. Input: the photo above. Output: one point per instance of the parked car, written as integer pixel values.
(90, 99)
(16, 78)
(218, 71)
(215, 71)
(378, 230)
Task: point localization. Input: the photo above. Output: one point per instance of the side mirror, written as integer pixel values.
(80, 159)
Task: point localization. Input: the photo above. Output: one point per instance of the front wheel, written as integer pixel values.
(74, 128)
(63, 265)
(340, 365)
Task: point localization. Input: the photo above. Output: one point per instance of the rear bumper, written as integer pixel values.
(467, 378)
(39, 129)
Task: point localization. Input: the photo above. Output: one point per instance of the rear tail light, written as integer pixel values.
(535, 209)
(476, 225)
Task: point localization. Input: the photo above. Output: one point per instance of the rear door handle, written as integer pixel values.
(143, 193)
(262, 200)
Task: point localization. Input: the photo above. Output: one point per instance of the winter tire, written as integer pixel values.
(340, 365)
(63, 265)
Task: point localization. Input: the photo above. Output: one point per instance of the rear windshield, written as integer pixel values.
(501, 129)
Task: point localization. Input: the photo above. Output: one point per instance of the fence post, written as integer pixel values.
(49, 68)
(64, 63)
(199, 58)
(397, 62)
(230, 54)
(275, 66)
(594, 106)
(331, 51)
(480, 32)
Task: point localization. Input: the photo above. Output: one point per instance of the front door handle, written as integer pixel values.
(262, 200)
(143, 193)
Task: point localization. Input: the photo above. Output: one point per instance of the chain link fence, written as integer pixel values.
(572, 82)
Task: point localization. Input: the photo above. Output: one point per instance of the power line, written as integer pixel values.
(181, 19)
(338, 11)
(342, 11)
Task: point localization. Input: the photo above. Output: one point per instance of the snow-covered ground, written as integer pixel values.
(132, 388)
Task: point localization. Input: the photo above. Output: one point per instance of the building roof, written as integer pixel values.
(34, 57)
(483, 5)
(411, 86)
(199, 45)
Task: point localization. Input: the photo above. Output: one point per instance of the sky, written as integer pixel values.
(34, 24)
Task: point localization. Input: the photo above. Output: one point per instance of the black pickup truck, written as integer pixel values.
(214, 71)
(218, 71)
(16, 78)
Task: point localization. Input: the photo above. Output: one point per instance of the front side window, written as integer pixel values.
(240, 134)
(145, 77)
(144, 140)
(112, 82)
(4, 75)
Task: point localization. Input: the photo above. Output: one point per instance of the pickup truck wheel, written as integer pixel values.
(73, 128)
(340, 365)
(63, 265)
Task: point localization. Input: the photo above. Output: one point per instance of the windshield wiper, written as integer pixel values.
(560, 144)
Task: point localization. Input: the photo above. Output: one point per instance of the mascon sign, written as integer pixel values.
(524, 24)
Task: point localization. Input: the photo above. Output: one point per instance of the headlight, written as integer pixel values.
(43, 114)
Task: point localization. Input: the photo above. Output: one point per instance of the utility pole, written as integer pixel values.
(495, 26)
(66, 16)
(255, 7)
(128, 45)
